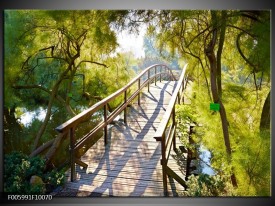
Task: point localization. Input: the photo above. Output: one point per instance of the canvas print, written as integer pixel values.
(137, 103)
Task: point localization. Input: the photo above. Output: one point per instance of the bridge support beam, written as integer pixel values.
(81, 163)
(175, 176)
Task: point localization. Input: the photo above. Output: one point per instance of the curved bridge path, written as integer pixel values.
(130, 164)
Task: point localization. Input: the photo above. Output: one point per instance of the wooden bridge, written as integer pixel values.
(134, 155)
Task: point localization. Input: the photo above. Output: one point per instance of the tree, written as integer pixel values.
(206, 36)
(215, 75)
(50, 57)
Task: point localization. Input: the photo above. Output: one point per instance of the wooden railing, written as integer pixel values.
(166, 133)
(152, 73)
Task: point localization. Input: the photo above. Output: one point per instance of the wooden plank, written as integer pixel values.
(133, 166)
(126, 150)
(108, 183)
(122, 190)
(130, 183)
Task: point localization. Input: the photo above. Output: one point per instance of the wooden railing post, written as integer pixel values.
(106, 127)
(155, 75)
(182, 85)
(174, 125)
(72, 154)
(125, 110)
(180, 93)
(182, 90)
(139, 92)
(160, 70)
(164, 165)
(148, 80)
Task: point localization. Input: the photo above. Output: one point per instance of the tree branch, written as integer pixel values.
(241, 29)
(203, 69)
(250, 14)
(42, 148)
(37, 60)
(92, 62)
(242, 54)
(197, 36)
(58, 97)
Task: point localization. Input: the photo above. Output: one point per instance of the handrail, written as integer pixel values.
(170, 137)
(70, 125)
(99, 104)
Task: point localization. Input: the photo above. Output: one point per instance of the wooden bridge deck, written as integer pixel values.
(130, 164)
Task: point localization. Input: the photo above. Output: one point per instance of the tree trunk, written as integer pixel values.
(12, 131)
(265, 117)
(209, 52)
(227, 140)
(47, 117)
(51, 100)
(219, 52)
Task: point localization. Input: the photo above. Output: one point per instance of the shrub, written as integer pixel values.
(206, 185)
(18, 170)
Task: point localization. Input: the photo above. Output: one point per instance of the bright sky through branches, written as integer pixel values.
(132, 42)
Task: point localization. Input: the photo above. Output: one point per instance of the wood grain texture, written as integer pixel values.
(129, 165)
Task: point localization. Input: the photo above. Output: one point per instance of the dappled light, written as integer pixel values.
(137, 102)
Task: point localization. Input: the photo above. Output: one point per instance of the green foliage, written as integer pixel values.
(186, 113)
(251, 161)
(245, 84)
(39, 46)
(55, 178)
(206, 185)
(250, 148)
(39, 49)
(60, 54)
(18, 170)
(186, 116)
